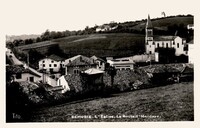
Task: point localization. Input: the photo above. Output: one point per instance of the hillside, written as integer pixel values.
(126, 40)
(102, 45)
(115, 44)
(163, 23)
(167, 103)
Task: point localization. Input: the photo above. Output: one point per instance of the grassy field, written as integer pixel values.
(167, 103)
(163, 23)
(118, 44)
(102, 45)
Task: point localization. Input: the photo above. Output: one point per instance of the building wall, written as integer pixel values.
(48, 64)
(100, 65)
(178, 44)
(26, 77)
(122, 64)
(150, 47)
(179, 50)
(191, 53)
(62, 82)
(77, 69)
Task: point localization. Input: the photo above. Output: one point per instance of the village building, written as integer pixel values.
(154, 42)
(191, 52)
(62, 82)
(95, 76)
(78, 63)
(51, 64)
(100, 62)
(18, 73)
(122, 64)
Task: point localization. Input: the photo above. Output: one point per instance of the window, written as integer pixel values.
(43, 65)
(153, 43)
(55, 65)
(31, 79)
(149, 32)
(162, 44)
(76, 71)
(49, 65)
(173, 42)
(149, 52)
(51, 70)
(18, 76)
(147, 43)
(52, 61)
(81, 58)
(158, 45)
(43, 61)
(177, 45)
(166, 45)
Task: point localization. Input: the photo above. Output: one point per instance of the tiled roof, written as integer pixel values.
(55, 57)
(164, 38)
(97, 58)
(191, 42)
(93, 71)
(13, 69)
(81, 60)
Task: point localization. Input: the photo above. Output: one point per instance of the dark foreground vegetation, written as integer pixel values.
(174, 102)
(167, 103)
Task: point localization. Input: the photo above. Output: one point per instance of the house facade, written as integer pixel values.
(191, 52)
(52, 63)
(153, 42)
(78, 63)
(100, 63)
(63, 83)
(122, 64)
(20, 74)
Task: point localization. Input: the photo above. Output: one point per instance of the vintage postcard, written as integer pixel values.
(119, 63)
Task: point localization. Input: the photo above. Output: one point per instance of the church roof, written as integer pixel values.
(149, 23)
(164, 38)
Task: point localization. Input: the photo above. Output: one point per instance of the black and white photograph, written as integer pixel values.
(98, 61)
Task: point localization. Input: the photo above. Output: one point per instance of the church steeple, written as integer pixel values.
(149, 29)
(149, 24)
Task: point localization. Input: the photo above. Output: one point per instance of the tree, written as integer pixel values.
(34, 56)
(112, 72)
(46, 35)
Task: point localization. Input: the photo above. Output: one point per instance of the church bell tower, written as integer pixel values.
(149, 35)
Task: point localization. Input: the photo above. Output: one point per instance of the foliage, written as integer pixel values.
(170, 103)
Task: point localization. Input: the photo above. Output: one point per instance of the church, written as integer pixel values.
(154, 42)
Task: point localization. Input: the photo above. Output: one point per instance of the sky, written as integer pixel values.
(36, 16)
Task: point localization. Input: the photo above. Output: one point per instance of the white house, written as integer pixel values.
(152, 42)
(122, 64)
(63, 82)
(52, 63)
(100, 62)
(191, 52)
(21, 74)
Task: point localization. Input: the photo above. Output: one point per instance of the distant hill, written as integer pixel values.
(162, 26)
(102, 45)
(11, 38)
(126, 39)
(113, 44)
